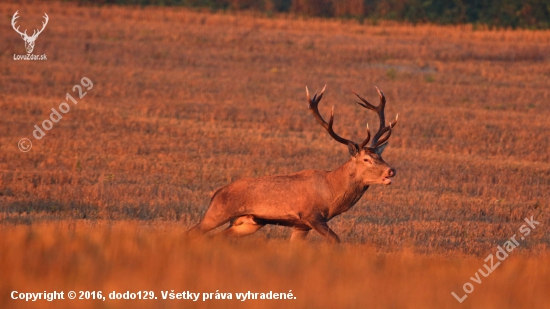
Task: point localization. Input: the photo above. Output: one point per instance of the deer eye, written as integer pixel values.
(367, 160)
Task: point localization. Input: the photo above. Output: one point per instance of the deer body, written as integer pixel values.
(304, 200)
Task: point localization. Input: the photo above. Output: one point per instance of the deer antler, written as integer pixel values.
(376, 140)
(13, 25)
(43, 26)
(313, 106)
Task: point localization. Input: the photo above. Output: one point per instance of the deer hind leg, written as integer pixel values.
(322, 228)
(299, 234)
(243, 226)
(207, 224)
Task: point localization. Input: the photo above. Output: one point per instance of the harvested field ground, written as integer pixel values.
(184, 102)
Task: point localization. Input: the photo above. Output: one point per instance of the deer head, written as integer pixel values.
(367, 159)
(29, 40)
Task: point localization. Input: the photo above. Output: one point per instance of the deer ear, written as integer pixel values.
(378, 150)
(353, 149)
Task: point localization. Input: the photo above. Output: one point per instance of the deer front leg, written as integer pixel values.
(299, 234)
(322, 228)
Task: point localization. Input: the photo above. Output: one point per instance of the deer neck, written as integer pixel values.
(346, 188)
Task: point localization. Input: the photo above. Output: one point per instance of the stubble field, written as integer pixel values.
(184, 102)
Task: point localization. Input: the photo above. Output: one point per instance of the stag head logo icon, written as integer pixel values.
(29, 40)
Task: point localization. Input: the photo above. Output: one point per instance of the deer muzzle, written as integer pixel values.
(387, 178)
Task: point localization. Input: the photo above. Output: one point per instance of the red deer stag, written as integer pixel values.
(308, 199)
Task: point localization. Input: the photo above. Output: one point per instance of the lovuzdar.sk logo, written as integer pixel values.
(29, 40)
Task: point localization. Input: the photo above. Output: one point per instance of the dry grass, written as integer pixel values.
(121, 257)
(184, 102)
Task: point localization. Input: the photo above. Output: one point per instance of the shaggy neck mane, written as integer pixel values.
(346, 188)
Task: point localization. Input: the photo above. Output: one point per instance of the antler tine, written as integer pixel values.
(366, 141)
(384, 139)
(381, 107)
(315, 100)
(314, 107)
(386, 129)
(15, 16)
(382, 97)
(365, 103)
